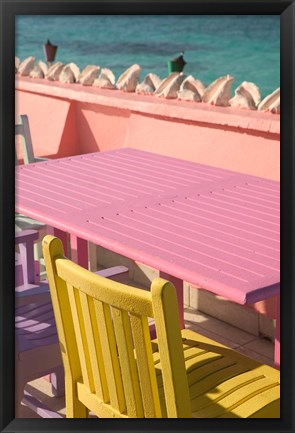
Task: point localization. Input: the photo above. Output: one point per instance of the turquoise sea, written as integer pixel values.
(244, 46)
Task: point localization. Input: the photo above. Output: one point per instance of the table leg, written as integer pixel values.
(61, 235)
(79, 250)
(92, 257)
(178, 283)
(277, 335)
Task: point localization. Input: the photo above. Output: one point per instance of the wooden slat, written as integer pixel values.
(80, 336)
(200, 221)
(93, 403)
(146, 370)
(28, 311)
(169, 249)
(127, 363)
(241, 203)
(246, 397)
(39, 330)
(110, 356)
(121, 175)
(220, 236)
(85, 195)
(214, 210)
(203, 397)
(99, 372)
(91, 344)
(173, 167)
(207, 252)
(165, 306)
(59, 179)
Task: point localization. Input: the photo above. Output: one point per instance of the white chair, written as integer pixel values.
(22, 222)
(22, 129)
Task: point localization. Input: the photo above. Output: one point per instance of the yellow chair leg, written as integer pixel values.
(74, 408)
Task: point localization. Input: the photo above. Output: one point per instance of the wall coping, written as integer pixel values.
(177, 110)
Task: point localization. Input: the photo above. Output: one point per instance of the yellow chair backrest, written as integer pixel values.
(106, 346)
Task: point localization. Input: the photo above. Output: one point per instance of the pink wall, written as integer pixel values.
(218, 146)
(99, 127)
(52, 123)
(69, 119)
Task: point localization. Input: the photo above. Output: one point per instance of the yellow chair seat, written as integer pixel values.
(222, 382)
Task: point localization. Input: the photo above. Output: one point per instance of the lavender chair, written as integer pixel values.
(37, 350)
(28, 287)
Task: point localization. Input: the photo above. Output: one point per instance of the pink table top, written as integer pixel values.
(214, 228)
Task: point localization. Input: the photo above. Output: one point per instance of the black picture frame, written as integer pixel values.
(9, 9)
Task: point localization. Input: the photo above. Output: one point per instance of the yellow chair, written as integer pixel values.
(113, 369)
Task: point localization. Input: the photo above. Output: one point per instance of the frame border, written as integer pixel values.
(8, 10)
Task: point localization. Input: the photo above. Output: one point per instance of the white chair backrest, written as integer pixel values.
(22, 129)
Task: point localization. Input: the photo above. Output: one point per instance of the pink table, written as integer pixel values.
(214, 228)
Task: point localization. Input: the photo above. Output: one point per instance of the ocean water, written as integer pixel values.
(244, 46)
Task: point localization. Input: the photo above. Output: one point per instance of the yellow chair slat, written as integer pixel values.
(218, 403)
(170, 348)
(224, 386)
(96, 405)
(111, 362)
(97, 362)
(265, 404)
(146, 369)
(201, 372)
(200, 387)
(270, 410)
(90, 346)
(128, 364)
(65, 329)
(75, 302)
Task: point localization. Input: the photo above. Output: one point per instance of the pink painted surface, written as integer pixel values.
(52, 124)
(62, 235)
(85, 119)
(100, 128)
(178, 284)
(211, 227)
(219, 146)
(79, 251)
(79, 119)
